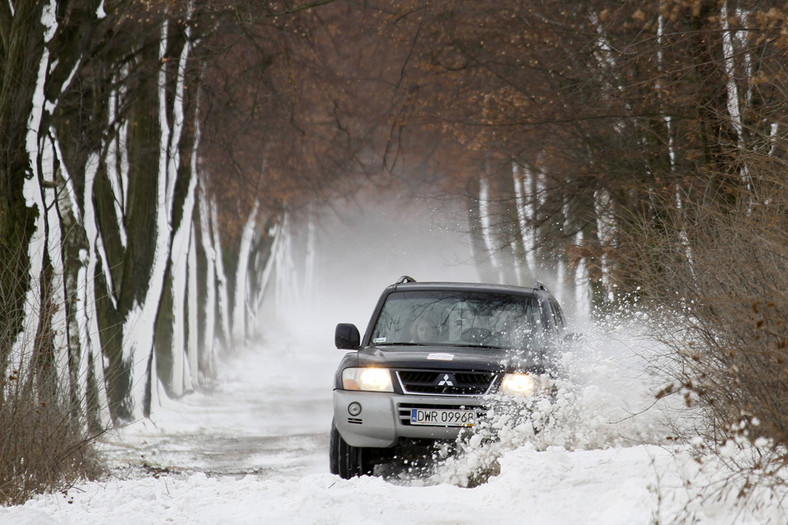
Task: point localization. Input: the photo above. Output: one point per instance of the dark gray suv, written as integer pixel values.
(430, 361)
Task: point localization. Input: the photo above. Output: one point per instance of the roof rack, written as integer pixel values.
(406, 279)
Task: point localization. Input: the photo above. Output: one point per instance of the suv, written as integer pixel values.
(432, 355)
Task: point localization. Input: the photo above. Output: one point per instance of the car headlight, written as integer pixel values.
(524, 384)
(372, 379)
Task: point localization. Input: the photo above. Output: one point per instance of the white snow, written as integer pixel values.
(255, 451)
(253, 447)
(49, 20)
(554, 486)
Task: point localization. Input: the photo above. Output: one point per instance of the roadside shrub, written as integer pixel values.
(41, 448)
(715, 270)
(44, 444)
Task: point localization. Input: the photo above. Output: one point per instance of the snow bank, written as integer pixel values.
(254, 450)
(619, 485)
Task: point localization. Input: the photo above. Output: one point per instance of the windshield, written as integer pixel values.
(459, 319)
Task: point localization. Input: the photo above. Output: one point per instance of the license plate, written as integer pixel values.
(442, 417)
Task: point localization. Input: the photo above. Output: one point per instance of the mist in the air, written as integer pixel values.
(362, 246)
(608, 385)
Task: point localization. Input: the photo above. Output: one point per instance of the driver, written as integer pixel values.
(423, 331)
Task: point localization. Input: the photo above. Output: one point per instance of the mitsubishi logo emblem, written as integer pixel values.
(448, 380)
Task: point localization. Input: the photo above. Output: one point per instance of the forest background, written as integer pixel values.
(159, 156)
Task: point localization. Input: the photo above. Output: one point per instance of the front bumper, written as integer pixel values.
(384, 417)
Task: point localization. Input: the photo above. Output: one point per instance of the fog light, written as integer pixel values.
(354, 408)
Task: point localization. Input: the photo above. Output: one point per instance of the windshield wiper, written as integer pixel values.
(493, 347)
(408, 343)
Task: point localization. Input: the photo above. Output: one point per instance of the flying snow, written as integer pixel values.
(253, 446)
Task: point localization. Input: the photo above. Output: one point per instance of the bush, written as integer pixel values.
(44, 444)
(716, 270)
(41, 449)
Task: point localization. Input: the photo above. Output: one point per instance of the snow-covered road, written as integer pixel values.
(254, 450)
(268, 415)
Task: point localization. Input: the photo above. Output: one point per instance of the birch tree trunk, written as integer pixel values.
(207, 345)
(479, 231)
(240, 299)
(99, 249)
(24, 52)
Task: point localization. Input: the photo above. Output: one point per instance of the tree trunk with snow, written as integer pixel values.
(479, 236)
(22, 54)
(208, 276)
(261, 268)
(240, 299)
(172, 320)
(93, 277)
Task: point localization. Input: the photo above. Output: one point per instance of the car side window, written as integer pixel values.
(558, 315)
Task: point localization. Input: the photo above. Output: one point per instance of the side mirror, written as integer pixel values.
(346, 337)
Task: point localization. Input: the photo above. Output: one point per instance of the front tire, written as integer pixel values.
(345, 460)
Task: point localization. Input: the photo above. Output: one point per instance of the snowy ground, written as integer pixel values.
(254, 450)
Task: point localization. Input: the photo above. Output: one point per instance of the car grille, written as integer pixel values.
(447, 383)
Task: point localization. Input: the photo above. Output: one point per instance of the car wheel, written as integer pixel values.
(345, 460)
(333, 459)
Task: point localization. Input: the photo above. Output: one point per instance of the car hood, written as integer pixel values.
(451, 358)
